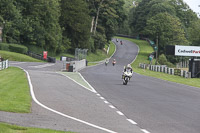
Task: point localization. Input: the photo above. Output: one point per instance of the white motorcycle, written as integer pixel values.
(126, 77)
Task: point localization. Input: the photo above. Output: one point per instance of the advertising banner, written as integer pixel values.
(187, 50)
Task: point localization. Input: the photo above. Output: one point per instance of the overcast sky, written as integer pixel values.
(194, 5)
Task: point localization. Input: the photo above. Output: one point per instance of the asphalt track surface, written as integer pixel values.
(155, 105)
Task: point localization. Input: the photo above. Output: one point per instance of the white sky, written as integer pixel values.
(194, 5)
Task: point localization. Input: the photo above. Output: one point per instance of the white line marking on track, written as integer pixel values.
(106, 102)
(145, 131)
(132, 122)
(111, 106)
(88, 83)
(120, 113)
(78, 83)
(67, 116)
(98, 95)
(102, 98)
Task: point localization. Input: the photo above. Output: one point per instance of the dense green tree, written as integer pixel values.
(149, 8)
(168, 29)
(11, 21)
(41, 23)
(75, 21)
(108, 15)
(183, 12)
(194, 34)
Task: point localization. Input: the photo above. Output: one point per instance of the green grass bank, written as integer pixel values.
(7, 128)
(12, 56)
(14, 91)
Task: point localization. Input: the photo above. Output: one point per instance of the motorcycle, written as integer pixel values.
(114, 62)
(106, 62)
(126, 77)
(121, 42)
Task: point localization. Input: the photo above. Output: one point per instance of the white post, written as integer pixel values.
(181, 73)
(0, 65)
(172, 71)
(7, 65)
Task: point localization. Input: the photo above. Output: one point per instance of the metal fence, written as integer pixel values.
(80, 54)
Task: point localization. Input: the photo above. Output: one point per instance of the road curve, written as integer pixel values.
(61, 104)
(156, 105)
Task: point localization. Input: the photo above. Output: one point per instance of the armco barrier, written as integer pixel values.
(165, 69)
(4, 65)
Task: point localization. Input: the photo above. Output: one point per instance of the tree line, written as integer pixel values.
(167, 22)
(61, 25)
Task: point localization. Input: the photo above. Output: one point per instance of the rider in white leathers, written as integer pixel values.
(127, 68)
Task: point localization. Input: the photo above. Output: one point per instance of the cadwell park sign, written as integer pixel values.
(187, 50)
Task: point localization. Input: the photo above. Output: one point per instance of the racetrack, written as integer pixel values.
(156, 105)
(146, 104)
(61, 104)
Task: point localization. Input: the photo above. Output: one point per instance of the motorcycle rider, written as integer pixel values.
(121, 42)
(114, 62)
(106, 62)
(127, 68)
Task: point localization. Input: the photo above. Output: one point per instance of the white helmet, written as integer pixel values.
(129, 65)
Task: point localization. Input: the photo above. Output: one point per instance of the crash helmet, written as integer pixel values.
(128, 66)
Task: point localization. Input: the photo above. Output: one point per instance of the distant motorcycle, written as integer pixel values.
(126, 77)
(106, 62)
(114, 62)
(121, 42)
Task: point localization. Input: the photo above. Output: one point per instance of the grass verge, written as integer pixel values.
(101, 55)
(7, 128)
(12, 56)
(75, 76)
(14, 91)
(145, 50)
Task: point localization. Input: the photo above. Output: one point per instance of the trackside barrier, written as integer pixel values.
(4, 65)
(165, 69)
(40, 57)
(74, 66)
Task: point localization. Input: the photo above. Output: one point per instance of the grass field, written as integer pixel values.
(145, 50)
(12, 56)
(7, 128)
(14, 91)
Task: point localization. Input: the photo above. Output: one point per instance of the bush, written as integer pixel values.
(4, 46)
(18, 48)
(163, 61)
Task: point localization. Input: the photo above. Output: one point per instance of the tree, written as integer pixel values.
(193, 33)
(75, 21)
(168, 29)
(108, 14)
(41, 24)
(183, 12)
(11, 18)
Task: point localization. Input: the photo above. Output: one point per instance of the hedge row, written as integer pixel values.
(14, 48)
